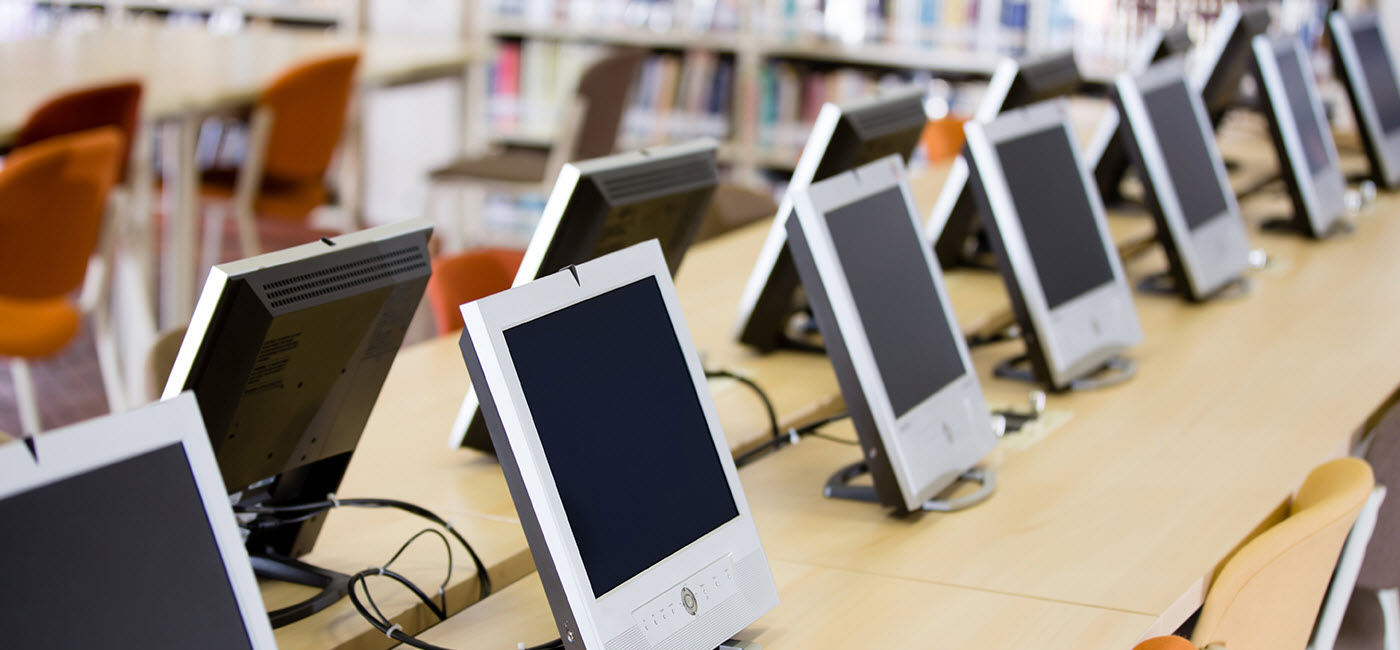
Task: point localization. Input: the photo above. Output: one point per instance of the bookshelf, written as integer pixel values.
(315, 14)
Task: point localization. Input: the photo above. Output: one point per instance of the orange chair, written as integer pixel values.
(52, 196)
(1165, 643)
(292, 135)
(83, 109)
(466, 277)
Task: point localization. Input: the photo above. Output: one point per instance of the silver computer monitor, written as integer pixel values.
(1306, 152)
(607, 204)
(612, 450)
(1169, 137)
(1367, 68)
(1052, 243)
(879, 300)
(118, 532)
(1223, 60)
(843, 137)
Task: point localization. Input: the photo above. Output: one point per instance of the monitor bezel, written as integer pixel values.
(556, 206)
(94, 444)
(1216, 253)
(599, 619)
(1383, 150)
(1319, 198)
(959, 406)
(770, 256)
(1061, 336)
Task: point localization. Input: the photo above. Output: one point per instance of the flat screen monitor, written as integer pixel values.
(1223, 60)
(612, 450)
(1367, 68)
(606, 204)
(1302, 137)
(843, 137)
(954, 226)
(1106, 152)
(900, 359)
(286, 354)
(118, 533)
(1052, 243)
(1187, 189)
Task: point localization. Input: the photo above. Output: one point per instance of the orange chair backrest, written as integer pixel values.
(466, 277)
(84, 109)
(52, 198)
(308, 104)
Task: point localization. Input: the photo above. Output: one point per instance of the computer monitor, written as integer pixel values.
(612, 450)
(1052, 244)
(1187, 189)
(900, 359)
(606, 204)
(286, 354)
(118, 532)
(954, 226)
(1106, 152)
(1298, 124)
(1224, 58)
(1367, 68)
(842, 138)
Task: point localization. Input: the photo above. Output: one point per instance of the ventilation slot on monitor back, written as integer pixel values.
(635, 185)
(883, 119)
(309, 286)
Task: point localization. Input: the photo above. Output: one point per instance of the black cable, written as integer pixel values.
(767, 403)
(793, 435)
(308, 510)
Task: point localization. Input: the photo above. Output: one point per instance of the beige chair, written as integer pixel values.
(1267, 595)
(1372, 618)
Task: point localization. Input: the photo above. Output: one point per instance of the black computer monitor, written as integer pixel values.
(607, 204)
(1226, 56)
(286, 354)
(1367, 67)
(843, 137)
(1107, 153)
(954, 225)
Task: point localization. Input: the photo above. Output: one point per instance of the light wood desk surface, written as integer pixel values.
(187, 69)
(832, 608)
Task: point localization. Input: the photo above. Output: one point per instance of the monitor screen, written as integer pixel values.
(623, 429)
(1300, 103)
(137, 529)
(1184, 147)
(1053, 207)
(879, 250)
(1380, 75)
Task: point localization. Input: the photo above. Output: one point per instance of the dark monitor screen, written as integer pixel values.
(626, 437)
(118, 557)
(879, 250)
(1184, 147)
(1380, 75)
(1053, 206)
(1301, 104)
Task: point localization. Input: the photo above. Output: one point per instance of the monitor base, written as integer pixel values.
(1113, 372)
(839, 487)
(333, 585)
(1162, 283)
(1290, 225)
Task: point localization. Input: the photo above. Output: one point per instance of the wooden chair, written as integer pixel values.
(1267, 595)
(463, 278)
(52, 197)
(291, 138)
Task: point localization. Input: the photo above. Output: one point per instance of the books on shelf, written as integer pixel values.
(656, 15)
(790, 95)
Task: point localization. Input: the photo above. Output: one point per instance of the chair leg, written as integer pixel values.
(213, 247)
(107, 360)
(24, 395)
(1390, 609)
(247, 229)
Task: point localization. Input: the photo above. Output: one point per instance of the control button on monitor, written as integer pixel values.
(688, 601)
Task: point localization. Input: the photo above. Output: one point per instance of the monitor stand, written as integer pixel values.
(272, 566)
(1162, 283)
(1113, 372)
(1290, 225)
(839, 487)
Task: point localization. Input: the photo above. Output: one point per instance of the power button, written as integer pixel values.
(688, 601)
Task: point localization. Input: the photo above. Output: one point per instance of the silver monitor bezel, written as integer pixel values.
(600, 620)
(1216, 253)
(1081, 335)
(1323, 194)
(81, 448)
(554, 209)
(1387, 148)
(959, 404)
